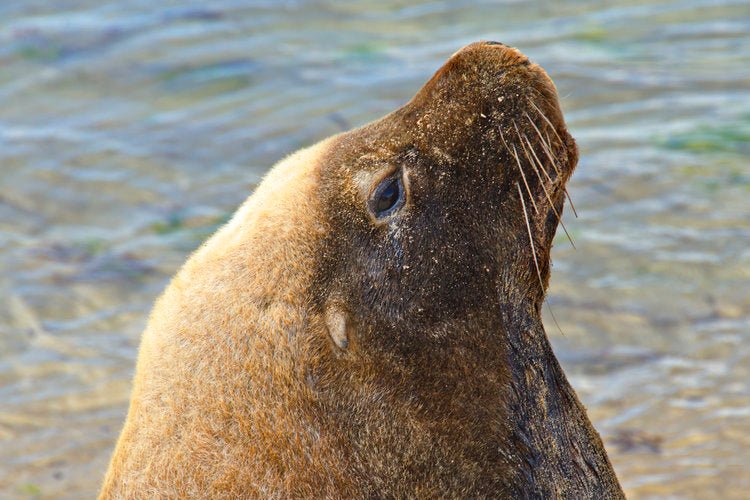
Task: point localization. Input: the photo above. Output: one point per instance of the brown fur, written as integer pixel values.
(307, 350)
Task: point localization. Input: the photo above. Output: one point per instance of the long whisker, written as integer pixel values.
(520, 169)
(536, 159)
(575, 212)
(533, 164)
(541, 113)
(531, 238)
(570, 200)
(541, 167)
(549, 308)
(545, 145)
(548, 151)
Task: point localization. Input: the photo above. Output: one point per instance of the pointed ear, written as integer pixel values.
(337, 322)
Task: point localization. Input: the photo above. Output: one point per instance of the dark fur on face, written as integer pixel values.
(435, 296)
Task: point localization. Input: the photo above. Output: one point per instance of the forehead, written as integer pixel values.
(399, 139)
(362, 156)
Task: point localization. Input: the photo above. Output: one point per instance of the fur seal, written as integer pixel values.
(368, 323)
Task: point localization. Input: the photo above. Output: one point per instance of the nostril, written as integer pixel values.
(506, 54)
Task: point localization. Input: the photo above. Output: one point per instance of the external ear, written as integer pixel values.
(337, 321)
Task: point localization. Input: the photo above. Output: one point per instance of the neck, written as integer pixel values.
(562, 454)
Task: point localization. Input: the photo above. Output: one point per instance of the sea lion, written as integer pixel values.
(368, 323)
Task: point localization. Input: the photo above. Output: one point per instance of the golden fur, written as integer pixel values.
(233, 308)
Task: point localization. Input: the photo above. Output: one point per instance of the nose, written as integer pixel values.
(502, 54)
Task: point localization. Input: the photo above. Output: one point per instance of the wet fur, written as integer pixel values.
(445, 385)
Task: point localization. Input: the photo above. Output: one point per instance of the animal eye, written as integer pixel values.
(388, 197)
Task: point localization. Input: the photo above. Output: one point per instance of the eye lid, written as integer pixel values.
(381, 177)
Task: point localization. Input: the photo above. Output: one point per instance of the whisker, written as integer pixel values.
(549, 308)
(570, 200)
(575, 212)
(518, 134)
(536, 159)
(541, 113)
(531, 121)
(541, 167)
(523, 137)
(520, 169)
(545, 145)
(548, 152)
(531, 238)
(532, 163)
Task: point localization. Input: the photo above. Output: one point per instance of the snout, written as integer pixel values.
(496, 53)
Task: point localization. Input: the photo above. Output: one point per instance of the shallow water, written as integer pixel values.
(130, 130)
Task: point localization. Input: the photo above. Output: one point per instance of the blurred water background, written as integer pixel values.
(129, 130)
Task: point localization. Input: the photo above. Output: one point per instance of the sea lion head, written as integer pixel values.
(439, 220)
(368, 323)
(442, 213)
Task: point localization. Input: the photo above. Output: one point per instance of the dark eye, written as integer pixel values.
(388, 197)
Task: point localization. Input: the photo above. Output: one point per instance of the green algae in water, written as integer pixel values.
(173, 224)
(723, 138)
(93, 246)
(188, 234)
(29, 490)
(717, 175)
(593, 33)
(40, 53)
(365, 51)
(209, 79)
